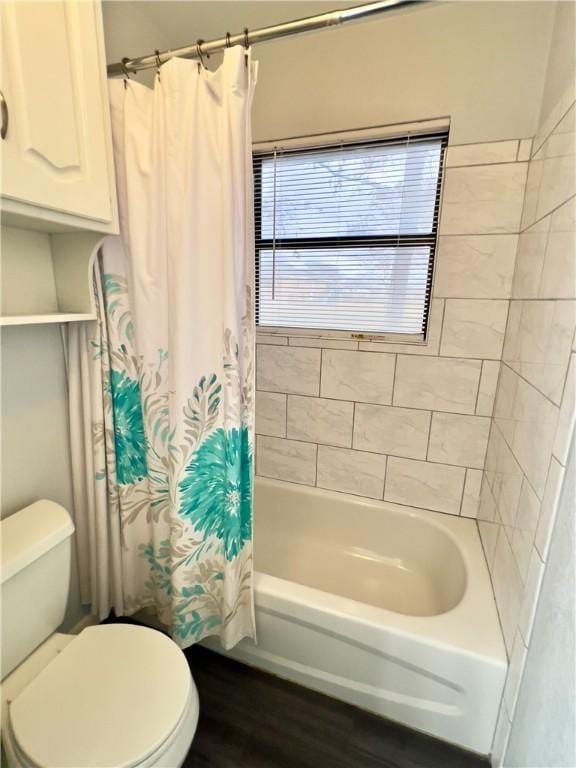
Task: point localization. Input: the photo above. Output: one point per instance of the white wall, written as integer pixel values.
(35, 458)
(128, 32)
(35, 449)
(482, 63)
(543, 731)
(559, 87)
(534, 416)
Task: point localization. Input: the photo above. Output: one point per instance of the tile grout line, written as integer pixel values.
(547, 137)
(360, 496)
(380, 405)
(463, 491)
(376, 453)
(545, 215)
(385, 477)
(394, 381)
(407, 353)
(480, 384)
(515, 161)
(429, 436)
(442, 320)
(530, 384)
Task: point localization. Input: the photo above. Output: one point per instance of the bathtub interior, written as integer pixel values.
(376, 554)
(384, 607)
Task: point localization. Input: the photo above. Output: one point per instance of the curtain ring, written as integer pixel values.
(246, 47)
(123, 63)
(228, 44)
(199, 53)
(158, 63)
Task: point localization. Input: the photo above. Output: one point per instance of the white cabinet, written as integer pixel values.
(57, 163)
(58, 193)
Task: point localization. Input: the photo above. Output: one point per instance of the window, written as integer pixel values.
(346, 234)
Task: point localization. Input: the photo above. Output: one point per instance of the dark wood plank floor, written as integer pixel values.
(249, 719)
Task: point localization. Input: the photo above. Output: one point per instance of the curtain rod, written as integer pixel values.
(200, 48)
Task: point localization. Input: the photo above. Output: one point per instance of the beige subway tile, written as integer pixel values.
(525, 527)
(271, 414)
(507, 589)
(531, 594)
(318, 420)
(482, 154)
(271, 338)
(286, 369)
(549, 508)
(288, 460)
(488, 537)
(423, 484)
(530, 260)
(471, 497)
(475, 266)
(341, 469)
(474, 328)
(440, 384)
(458, 439)
(483, 199)
(397, 431)
(524, 150)
(366, 377)
(487, 390)
(514, 676)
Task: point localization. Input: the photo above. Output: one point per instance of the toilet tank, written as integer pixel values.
(34, 577)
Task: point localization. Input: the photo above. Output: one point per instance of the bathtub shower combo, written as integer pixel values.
(381, 606)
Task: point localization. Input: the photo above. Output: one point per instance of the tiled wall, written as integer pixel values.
(408, 423)
(534, 410)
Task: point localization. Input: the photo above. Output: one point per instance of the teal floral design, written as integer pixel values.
(216, 493)
(195, 608)
(177, 464)
(129, 437)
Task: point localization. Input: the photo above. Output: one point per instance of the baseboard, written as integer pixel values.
(87, 621)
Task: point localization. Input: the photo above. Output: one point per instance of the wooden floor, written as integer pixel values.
(249, 719)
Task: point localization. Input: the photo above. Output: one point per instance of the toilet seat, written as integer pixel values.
(117, 696)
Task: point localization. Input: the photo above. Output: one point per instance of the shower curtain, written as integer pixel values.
(161, 389)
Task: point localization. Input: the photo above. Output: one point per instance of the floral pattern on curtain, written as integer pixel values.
(172, 356)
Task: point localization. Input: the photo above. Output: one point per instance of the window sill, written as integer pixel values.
(416, 339)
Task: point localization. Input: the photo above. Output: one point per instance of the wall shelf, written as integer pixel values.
(56, 317)
(47, 277)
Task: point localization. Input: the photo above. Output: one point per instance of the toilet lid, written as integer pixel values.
(110, 699)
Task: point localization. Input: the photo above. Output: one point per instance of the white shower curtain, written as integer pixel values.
(161, 391)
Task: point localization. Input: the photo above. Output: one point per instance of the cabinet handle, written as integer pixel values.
(3, 116)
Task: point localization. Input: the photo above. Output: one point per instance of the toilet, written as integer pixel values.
(113, 696)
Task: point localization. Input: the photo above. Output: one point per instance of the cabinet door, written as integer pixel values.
(55, 154)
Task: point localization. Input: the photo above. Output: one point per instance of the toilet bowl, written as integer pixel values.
(113, 696)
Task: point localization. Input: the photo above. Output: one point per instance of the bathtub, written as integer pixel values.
(386, 607)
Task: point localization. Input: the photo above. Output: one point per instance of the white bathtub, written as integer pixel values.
(383, 606)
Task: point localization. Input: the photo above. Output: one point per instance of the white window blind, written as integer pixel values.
(345, 235)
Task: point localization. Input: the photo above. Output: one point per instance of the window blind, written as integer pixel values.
(346, 235)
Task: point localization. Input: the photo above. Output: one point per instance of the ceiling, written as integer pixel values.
(181, 22)
(481, 62)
